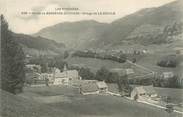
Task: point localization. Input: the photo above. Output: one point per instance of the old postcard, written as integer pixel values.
(91, 58)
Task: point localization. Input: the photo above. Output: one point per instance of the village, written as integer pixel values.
(67, 58)
(147, 94)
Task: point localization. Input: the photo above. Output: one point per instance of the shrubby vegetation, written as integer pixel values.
(168, 61)
(86, 74)
(12, 61)
(46, 62)
(168, 83)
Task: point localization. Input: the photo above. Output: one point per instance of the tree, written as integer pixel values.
(66, 54)
(85, 73)
(112, 78)
(102, 74)
(123, 84)
(12, 61)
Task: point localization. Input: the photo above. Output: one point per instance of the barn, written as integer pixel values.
(143, 93)
(87, 88)
(102, 86)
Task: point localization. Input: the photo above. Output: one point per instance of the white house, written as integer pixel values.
(66, 77)
(49, 76)
(166, 75)
(60, 79)
(179, 50)
(129, 71)
(102, 87)
(143, 93)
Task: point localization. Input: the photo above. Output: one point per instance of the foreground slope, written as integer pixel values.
(15, 106)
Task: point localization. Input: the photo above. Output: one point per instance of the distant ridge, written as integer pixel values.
(144, 27)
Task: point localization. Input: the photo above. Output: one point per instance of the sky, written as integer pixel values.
(29, 24)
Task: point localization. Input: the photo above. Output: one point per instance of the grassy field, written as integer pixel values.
(17, 106)
(65, 101)
(94, 64)
(176, 95)
(92, 105)
(149, 61)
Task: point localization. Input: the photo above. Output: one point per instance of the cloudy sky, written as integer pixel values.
(29, 24)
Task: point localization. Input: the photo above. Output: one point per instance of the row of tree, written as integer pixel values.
(121, 58)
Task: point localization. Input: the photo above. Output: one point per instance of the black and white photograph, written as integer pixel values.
(91, 58)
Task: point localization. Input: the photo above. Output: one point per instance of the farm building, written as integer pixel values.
(87, 88)
(93, 87)
(166, 75)
(143, 93)
(61, 79)
(179, 50)
(102, 87)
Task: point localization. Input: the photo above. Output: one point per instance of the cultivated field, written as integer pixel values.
(148, 61)
(94, 64)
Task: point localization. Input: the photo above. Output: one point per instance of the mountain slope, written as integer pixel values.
(145, 27)
(38, 45)
(151, 19)
(76, 34)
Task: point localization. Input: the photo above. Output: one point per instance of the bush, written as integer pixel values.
(168, 61)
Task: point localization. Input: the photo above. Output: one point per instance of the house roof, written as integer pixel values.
(89, 87)
(72, 73)
(146, 89)
(60, 75)
(168, 74)
(101, 84)
(113, 87)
